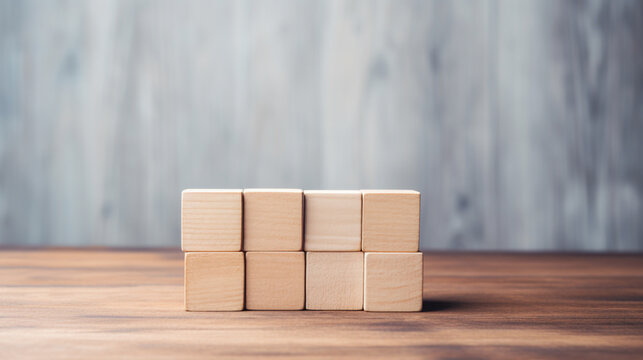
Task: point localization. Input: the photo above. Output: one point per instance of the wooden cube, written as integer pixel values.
(390, 220)
(393, 281)
(333, 220)
(334, 280)
(275, 280)
(211, 220)
(214, 281)
(272, 219)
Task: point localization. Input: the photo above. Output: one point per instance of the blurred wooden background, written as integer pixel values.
(521, 122)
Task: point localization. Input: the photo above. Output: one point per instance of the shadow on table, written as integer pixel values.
(431, 305)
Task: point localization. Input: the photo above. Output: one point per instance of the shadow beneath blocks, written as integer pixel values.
(432, 305)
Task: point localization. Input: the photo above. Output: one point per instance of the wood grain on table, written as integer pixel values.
(78, 303)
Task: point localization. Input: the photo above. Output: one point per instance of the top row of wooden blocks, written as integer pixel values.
(292, 219)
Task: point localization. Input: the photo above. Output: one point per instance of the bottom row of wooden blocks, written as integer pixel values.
(226, 281)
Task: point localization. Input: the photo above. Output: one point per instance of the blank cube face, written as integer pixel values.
(393, 282)
(334, 280)
(272, 220)
(275, 280)
(390, 220)
(333, 221)
(214, 281)
(211, 220)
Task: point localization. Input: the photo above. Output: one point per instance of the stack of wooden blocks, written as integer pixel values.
(243, 249)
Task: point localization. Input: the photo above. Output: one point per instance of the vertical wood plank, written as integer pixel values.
(519, 121)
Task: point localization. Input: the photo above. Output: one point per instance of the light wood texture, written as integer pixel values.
(214, 281)
(393, 281)
(518, 121)
(211, 220)
(332, 220)
(102, 304)
(275, 280)
(334, 280)
(272, 219)
(391, 220)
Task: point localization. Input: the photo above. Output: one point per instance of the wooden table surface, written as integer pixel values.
(104, 304)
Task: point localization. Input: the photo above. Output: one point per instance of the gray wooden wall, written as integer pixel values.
(521, 122)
